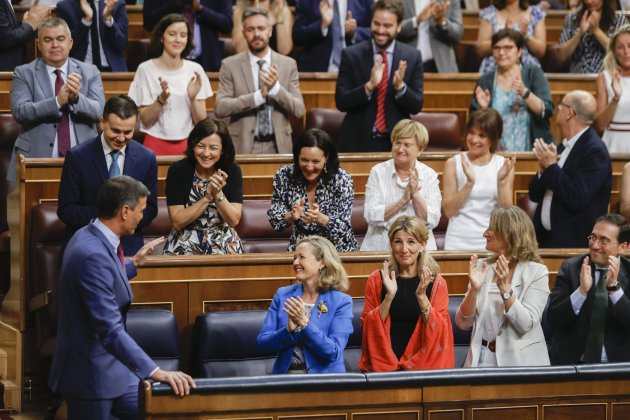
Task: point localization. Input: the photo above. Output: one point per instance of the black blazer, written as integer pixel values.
(581, 192)
(570, 330)
(13, 38)
(354, 71)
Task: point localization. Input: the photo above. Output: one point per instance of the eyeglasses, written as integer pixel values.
(566, 106)
(592, 239)
(504, 48)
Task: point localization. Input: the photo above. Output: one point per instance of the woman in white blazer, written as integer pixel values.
(506, 296)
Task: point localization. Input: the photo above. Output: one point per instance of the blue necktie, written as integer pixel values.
(337, 36)
(114, 169)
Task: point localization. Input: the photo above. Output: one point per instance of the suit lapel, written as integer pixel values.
(115, 259)
(576, 151)
(247, 72)
(130, 160)
(43, 78)
(98, 160)
(10, 12)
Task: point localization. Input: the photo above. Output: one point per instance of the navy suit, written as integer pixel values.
(307, 32)
(214, 19)
(571, 330)
(113, 39)
(324, 338)
(95, 358)
(83, 175)
(354, 72)
(13, 38)
(581, 193)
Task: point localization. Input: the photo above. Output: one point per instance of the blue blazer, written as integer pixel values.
(113, 39)
(581, 192)
(323, 340)
(214, 19)
(95, 357)
(354, 72)
(307, 32)
(85, 171)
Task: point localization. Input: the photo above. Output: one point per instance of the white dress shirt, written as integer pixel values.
(96, 21)
(53, 80)
(423, 42)
(342, 8)
(258, 98)
(108, 157)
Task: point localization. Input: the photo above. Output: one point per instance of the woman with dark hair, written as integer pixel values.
(205, 213)
(528, 20)
(475, 182)
(405, 319)
(170, 91)
(506, 296)
(314, 194)
(519, 92)
(585, 35)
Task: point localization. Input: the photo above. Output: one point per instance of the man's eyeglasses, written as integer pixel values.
(505, 48)
(566, 106)
(592, 239)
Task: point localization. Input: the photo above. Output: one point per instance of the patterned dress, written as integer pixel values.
(588, 56)
(335, 199)
(209, 234)
(490, 14)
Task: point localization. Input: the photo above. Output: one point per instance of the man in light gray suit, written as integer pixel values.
(259, 90)
(57, 100)
(433, 27)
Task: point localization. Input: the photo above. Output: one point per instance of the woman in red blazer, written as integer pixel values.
(405, 319)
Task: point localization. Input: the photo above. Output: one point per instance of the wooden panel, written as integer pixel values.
(388, 415)
(445, 414)
(501, 413)
(574, 411)
(620, 411)
(315, 417)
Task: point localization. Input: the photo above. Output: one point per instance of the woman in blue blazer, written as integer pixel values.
(308, 323)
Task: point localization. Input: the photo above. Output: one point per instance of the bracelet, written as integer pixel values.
(526, 94)
(427, 310)
(219, 198)
(159, 101)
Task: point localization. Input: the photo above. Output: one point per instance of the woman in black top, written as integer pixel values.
(204, 194)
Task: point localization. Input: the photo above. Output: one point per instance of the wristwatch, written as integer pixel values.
(219, 198)
(444, 24)
(613, 288)
(526, 94)
(507, 295)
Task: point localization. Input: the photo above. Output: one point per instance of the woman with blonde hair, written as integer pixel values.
(280, 18)
(405, 320)
(308, 323)
(401, 186)
(506, 296)
(612, 105)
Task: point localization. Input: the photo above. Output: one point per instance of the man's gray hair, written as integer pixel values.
(53, 23)
(253, 11)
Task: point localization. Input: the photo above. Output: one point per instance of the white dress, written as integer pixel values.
(617, 134)
(384, 187)
(465, 229)
(175, 121)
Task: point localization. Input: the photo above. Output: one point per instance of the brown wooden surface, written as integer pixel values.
(552, 400)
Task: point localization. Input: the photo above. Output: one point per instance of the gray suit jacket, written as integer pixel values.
(442, 39)
(520, 340)
(235, 99)
(33, 105)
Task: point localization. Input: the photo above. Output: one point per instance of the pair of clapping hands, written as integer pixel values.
(295, 309)
(215, 185)
(194, 86)
(311, 215)
(390, 285)
(501, 270)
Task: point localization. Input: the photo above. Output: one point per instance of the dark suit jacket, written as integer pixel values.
(113, 39)
(85, 171)
(570, 330)
(581, 192)
(95, 357)
(214, 19)
(13, 38)
(354, 72)
(307, 32)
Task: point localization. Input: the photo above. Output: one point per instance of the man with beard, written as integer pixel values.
(259, 89)
(379, 83)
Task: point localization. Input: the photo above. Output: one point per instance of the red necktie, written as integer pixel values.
(63, 127)
(121, 255)
(381, 93)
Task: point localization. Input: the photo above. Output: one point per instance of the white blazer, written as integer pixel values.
(520, 339)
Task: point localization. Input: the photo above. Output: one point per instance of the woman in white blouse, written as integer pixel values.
(401, 186)
(170, 91)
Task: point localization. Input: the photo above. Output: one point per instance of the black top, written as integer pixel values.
(180, 177)
(404, 312)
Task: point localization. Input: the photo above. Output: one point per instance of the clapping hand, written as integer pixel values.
(88, 14)
(476, 274)
(470, 175)
(376, 74)
(312, 214)
(326, 12)
(350, 25)
(269, 77)
(547, 154)
(439, 11)
(616, 83)
(216, 182)
(483, 97)
(194, 86)
(389, 280)
(166, 92)
(107, 10)
(425, 279)
(502, 273)
(506, 168)
(399, 75)
(296, 311)
(297, 209)
(518, 86)
(73, 84)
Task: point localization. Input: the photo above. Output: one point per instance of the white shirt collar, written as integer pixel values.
(107, 149)
(63, 68)
(389, 49)
(253, 60)
(568, 144)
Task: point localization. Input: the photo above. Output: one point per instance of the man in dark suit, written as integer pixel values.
(15, 35)
(580, 333)
(90, 164)
(97, 365)
(99, 31)
(207, 18)
(325, 27)
(572, 189)
(379, 83)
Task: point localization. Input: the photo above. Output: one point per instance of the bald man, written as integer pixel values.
(573, 183)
